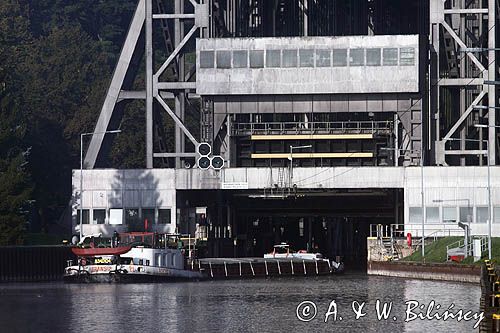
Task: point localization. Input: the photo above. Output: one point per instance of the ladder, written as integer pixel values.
(167, 39)
(207, 121)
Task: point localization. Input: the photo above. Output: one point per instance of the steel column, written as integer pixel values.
(491, 88)
(149, 83)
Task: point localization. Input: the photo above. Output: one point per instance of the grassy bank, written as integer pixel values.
(436, 251)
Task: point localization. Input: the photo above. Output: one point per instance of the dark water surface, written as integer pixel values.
(261, 305)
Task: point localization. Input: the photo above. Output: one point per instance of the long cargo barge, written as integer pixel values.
(222, 268)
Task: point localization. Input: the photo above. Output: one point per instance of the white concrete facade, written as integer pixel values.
(369, 65)
(451, 194)
(115, 191)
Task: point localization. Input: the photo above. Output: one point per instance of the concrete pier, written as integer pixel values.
(431, 271)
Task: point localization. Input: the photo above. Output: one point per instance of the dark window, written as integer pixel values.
(99, 216)
(306, 58)
(256, 59)
(206, 59)
(273, 58)
(465, 214)
(390, 57)
(240, 59)
(407, 56)
(223, 59)
(482, 214)
(323, 58)
(415, 215)
(373, 57)
(289, 58)
(357, 57)
(432, 214)
(449, 214)
(85, 216)
(131, 216)
(148, 214)
(164, 216)
(340, 57)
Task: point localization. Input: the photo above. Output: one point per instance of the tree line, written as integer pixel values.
(56, 60)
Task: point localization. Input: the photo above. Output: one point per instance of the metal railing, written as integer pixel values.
(336, 127)
(469, 247)
(401, 230)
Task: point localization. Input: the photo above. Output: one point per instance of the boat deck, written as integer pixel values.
(259, 267)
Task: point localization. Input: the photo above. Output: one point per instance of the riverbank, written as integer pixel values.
(426, 271)
(436, 252)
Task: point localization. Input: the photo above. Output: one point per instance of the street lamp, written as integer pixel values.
(81, 172)
(490, 215)
(490, 211)
(290, 174)
(424, 217)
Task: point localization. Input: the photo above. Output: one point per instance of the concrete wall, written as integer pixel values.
(442, 272)
(235, 104)
(117, 189)
(449, 188)
(308, 80)
(456, 186)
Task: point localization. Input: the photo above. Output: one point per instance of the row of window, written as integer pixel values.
(290, 58)
(166, 260)
(128, 216)
(453, 215)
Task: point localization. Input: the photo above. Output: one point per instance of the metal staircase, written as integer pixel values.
(462, 249)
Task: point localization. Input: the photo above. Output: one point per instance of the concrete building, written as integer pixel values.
(329, 117)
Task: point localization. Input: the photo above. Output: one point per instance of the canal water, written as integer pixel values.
(260, 305)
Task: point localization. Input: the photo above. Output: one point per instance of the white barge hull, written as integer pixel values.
(127, 273)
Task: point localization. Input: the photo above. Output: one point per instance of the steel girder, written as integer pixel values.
(443, 25)
(141, 29)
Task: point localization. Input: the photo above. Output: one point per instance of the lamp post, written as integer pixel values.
(290, 174)
(81, 172)
(424, 217)
(490, 208)
(489, 184)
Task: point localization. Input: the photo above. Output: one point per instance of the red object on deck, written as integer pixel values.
(458, 258)
(100, 251)
(408, 239)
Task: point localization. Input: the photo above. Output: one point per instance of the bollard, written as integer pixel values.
(496, 322)
(495, 300)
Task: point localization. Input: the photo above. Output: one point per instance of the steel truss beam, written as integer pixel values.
(485, 72)
(141, 29)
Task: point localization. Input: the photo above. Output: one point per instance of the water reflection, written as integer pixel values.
(228, 306)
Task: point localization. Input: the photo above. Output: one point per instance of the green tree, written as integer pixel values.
(62, 94)
(15, 188)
